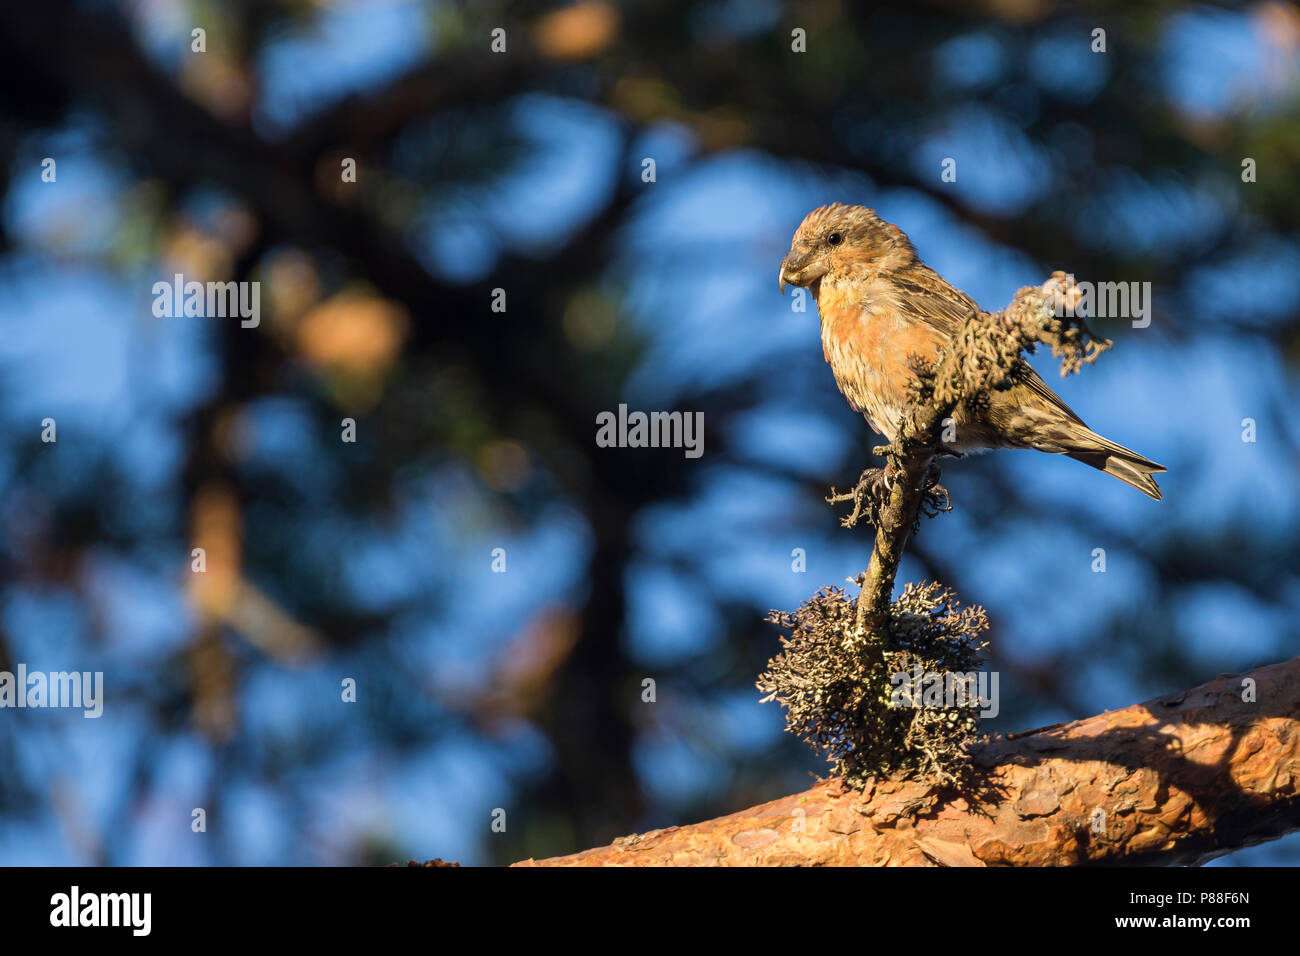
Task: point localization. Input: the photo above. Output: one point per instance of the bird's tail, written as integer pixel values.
(1123, 463)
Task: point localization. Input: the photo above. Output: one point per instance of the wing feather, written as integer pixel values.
(924, 295)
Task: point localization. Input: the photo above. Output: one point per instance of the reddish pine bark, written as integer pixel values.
(1178, 779)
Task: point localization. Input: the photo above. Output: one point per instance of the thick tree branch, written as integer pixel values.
(1179, 779)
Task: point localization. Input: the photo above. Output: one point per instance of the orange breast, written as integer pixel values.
(867, 343)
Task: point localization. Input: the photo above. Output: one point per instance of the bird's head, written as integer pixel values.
(840, 240)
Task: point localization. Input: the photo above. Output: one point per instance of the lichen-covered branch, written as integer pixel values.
(1179, 779)
(981, 359)
(843, 702)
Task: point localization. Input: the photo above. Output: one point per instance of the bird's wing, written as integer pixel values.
(924, 295)
(1028, 378)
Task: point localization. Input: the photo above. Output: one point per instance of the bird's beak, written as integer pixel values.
(797, 269)
(784, 274)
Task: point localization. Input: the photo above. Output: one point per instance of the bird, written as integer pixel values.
(880, 304)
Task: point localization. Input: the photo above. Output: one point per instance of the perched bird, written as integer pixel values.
(880, 303)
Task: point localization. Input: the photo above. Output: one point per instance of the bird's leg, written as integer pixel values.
(871, 491)
(935, 498)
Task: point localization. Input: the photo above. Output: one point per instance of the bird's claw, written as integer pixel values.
(867, 496)
(935, 498)
(876, 485)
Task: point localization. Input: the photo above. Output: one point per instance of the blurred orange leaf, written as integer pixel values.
(577, 32)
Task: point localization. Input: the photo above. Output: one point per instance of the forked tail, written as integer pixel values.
(1123, 463)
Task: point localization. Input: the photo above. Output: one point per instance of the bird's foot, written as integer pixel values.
(874, 487)
(867, 496)
(934, 496)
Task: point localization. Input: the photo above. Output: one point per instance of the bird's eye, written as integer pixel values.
(835, 238)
